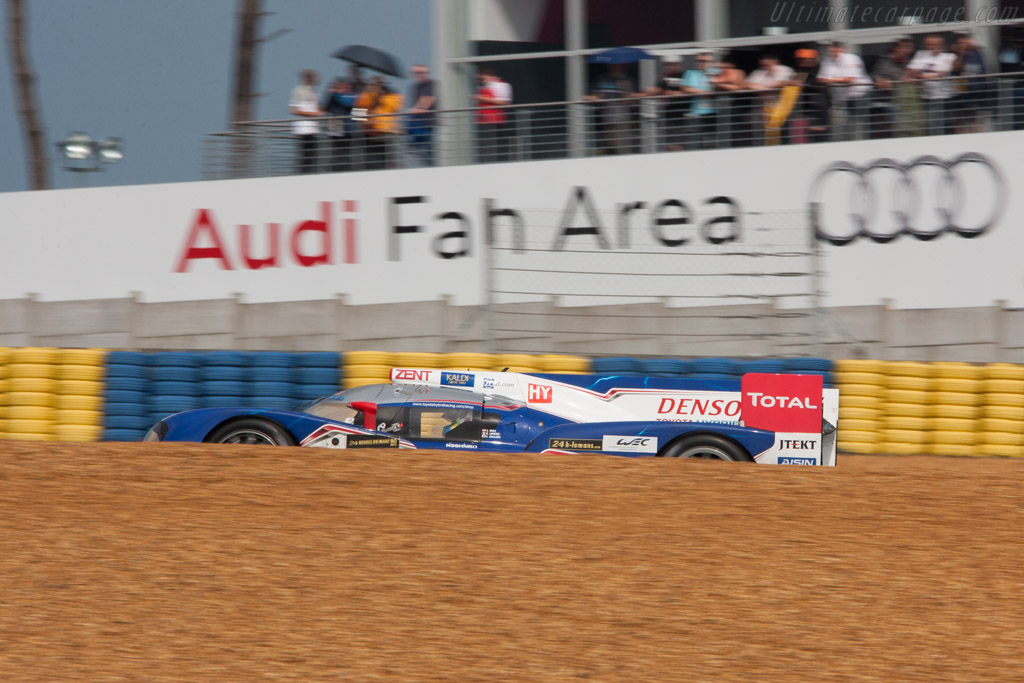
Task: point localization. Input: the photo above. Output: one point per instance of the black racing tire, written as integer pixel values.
(706, 447)
(253, 431)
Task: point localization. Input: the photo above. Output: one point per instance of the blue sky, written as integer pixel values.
(158, 74)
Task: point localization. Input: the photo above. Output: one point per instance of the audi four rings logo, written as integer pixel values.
(868, 216)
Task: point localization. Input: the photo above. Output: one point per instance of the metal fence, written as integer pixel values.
(622, 126)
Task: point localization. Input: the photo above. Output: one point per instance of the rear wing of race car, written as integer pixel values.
(801, 412)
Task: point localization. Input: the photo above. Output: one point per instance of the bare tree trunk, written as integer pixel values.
(28, 107)
(249, 14)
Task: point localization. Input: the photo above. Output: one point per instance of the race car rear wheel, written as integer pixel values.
(253, 431)
(706, 447)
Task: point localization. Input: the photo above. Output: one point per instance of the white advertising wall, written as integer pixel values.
(925, 222)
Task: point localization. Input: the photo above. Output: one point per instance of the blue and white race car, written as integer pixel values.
(775, 419)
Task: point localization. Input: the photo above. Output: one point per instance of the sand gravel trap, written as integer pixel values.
(182, 563)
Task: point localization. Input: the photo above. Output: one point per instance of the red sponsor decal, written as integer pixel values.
(782, 403)
(537, 393)
(309, 243)
(700, 407)
(414, 375)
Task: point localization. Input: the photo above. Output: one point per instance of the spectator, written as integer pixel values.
(305, 104)
(338, 102)
(932, 66)
(492, 94)
(848, 83)
(703, 115)
(613, 119)
(355, 125)
(890, 72)
(382, 127)
(975, 94)
(737, 105)
(810, 113)
(423, 96)
(770, 79)
(674, 107)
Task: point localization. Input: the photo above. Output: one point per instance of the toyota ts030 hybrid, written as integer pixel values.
(775, 419)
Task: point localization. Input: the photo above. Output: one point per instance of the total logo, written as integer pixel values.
(782, 403)
(538, 393)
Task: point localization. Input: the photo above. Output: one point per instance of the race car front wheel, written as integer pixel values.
(706, 447)
(251, 431)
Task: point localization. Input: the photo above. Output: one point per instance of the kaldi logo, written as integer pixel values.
(412, 375)
(536, 393)
(699, 408)
(782, 403)
(309, 242)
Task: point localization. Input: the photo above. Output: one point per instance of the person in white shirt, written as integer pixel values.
(933, 66)
(305, 104)
(849, 82)
(770, 79)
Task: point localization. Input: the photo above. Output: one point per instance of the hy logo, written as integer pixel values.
(536, 393)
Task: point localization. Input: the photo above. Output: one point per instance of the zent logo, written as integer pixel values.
(782, 403)
(538, 394)
(414, 375)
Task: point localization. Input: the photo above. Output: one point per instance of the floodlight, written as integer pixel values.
(76, 145)
(110, 150)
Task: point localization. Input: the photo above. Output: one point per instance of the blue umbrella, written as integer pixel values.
(620, 55)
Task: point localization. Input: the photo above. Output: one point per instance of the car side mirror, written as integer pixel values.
(369, 413)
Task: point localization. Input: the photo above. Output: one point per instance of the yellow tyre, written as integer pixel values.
(858, 414)
(858, 447)
(1001, 438)
(417, 359)
(34, 354)
(1004, 450)
(847, 400)
(946, 410)
(380, 372)
(944, 370)
(858, 425)
(958, 398)
(965, 386)
(79, 387)
(350, 382)
(914, 436)
(82, 433)
(955, 438)
(872, 390)
(31, 384)
(894, 382)
(89, 418)
(843, 378)
(1002, 386)
(465, 359)
(991, 424)
(31, 398)
(91, 373)
(511, 359)
(83, 357)
(1003, 412)
(903, 448)
(953, 424)
(958, 450)
(563, 363)
(520, 368)
(908, 410)
(5, 355)
(906, 396)
(1004, 371)
(74, 402)
(861, 436)
(26, 426)
(859, 365)
(29, 436)
(32, 370)
(906, 368)
(1007, 400)
(917, 424)
(368, 358)
(30, 413)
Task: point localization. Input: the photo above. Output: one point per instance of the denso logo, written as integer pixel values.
(414, 375)
(696, 407)
(536, 393)
(311, 242)
(782, 403)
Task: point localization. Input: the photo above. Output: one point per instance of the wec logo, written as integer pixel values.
(536, 393)
(630, 444)
(636, 441)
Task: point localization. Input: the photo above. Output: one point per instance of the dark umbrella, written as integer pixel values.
(620, 55)
(371, 58)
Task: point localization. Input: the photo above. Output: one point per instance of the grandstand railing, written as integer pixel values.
(558, 130)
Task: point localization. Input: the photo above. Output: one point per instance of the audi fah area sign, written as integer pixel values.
(889, 218)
